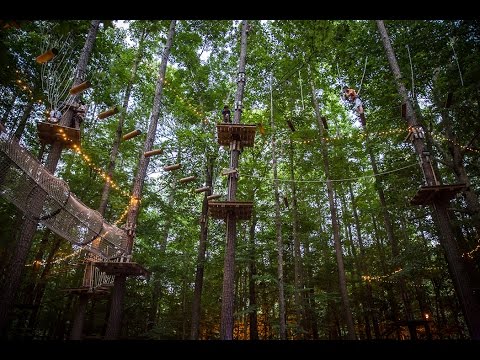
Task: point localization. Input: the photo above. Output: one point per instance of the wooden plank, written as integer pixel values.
(121, 268)
(50, 133)
(46, 56)
(428, 194)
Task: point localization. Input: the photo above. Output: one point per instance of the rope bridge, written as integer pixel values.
(24, 180)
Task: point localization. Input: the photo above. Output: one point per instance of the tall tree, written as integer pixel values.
(347, 312)
(118, 293)
(461, 278)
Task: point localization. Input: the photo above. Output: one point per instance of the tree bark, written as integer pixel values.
(202, 249)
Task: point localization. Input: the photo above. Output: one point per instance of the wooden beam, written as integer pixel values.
(152, 152)
(108, 113)
(131, 134)
(47, 56)
(80, 87)
(172, 167)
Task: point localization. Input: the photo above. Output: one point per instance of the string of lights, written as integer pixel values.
(444, 138)
(56, 261)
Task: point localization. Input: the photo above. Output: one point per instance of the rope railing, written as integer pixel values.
(25, 182)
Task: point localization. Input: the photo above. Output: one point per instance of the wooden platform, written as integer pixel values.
(228, 132)
(220, 209)
(49, 133)
(427, 194)
(121, 268)
(88, 291)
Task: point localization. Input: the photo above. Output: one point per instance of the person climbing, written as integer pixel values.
(55, 116)
(78, 114)
(350, 95)
(226, 114)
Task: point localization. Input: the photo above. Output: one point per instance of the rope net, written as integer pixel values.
(43, 197)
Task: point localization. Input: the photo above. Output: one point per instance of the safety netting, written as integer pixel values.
(26, 183)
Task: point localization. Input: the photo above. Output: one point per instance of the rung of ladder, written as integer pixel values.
(172, 167)
(152, 152)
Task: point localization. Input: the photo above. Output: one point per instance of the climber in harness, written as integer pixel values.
(226, 114)
(350, 95)
(55, 116)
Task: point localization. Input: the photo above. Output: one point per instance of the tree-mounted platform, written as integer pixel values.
(49, 133)
(121, 268)
(86, 290)
(240, 132)
(242, 210)
(428, 194)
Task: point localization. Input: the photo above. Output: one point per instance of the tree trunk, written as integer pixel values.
(202, 249)
(226, 319)
(77, 328)
(470, 302)
(23, 121)
(252, 272)
(278, 227)
(298, 268)
(347, 313)
(118, 292)
(370, 313)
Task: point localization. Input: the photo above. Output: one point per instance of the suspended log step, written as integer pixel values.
(80, 87)
(131, 134)
(121, 268)
(49, 133)
(428, 194)
(202, 189)
(172, 167)
(241, 210)
(108, 113)
(228, 132)
(152, 152)
(214, 196)
(187, 179)
(47, 56)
